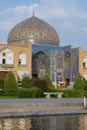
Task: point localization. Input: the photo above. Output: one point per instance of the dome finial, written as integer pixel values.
(33, 12)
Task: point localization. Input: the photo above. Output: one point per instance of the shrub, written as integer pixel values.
(32, 92)
(85, 88)
(36, 92)
(74, 93)
(85, 93)
(1, 92)
(11, 92)
(23, 93)
(80, 94)
(52, 89)
(70, 93)
(27, 81)
(1, 83)
(1, 86)
(79, 83)
(10, 85)
(49, 81)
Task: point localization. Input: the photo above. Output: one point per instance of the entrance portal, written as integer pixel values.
(67, 82)
(40, 64)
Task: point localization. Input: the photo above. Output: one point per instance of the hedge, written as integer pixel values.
(52, 89)
(70, 93)
(32, 92)
(74, 93)
(1, 92)
(8, 92)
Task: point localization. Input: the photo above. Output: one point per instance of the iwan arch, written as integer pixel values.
(34, 48)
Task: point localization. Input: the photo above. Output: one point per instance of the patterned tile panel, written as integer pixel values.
(45, 49)
(33, 28)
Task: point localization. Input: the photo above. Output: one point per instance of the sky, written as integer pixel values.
(68, 17)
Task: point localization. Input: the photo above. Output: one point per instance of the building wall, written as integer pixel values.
(82, 62)
(74, 63)
(17, 49)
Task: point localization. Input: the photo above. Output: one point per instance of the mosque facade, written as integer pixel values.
(33, 47)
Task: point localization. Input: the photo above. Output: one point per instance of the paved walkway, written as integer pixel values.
(41, 100)
(26, 107)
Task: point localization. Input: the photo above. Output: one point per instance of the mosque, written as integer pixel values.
(33, 47)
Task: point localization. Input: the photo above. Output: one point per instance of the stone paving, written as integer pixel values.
(26, 107)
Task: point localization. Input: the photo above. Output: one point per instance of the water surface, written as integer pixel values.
(58, 122)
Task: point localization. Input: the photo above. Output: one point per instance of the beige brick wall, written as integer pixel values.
(81, 55)
(16, 50)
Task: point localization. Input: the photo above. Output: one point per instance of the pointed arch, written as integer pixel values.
(40, 64)
(6, 56)
(22, 58)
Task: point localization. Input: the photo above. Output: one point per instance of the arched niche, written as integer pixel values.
(22, 58)
(6, 56)
(40, 64)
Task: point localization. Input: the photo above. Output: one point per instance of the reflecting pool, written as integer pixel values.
(59, 122)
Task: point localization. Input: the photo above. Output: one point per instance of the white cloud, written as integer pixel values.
(66, 17)
(12, 16)
(19, 10)
(61, 13)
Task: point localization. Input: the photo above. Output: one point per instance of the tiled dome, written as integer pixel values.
(33, 28)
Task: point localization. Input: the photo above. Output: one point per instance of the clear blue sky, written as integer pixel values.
(68, 17)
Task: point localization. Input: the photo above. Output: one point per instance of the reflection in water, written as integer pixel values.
(63, 122)
(15, 124)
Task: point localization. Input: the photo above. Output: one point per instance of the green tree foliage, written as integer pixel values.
(27, 82)
(1, 83)
(32, 92)
(85, 85)
(79, 83)
(49, 81)
(10, 82)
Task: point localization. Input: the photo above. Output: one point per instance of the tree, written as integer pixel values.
(27, 81)
(79, 83)
(1, 83)
(49, 81)
(85, 85)
(10, 82)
